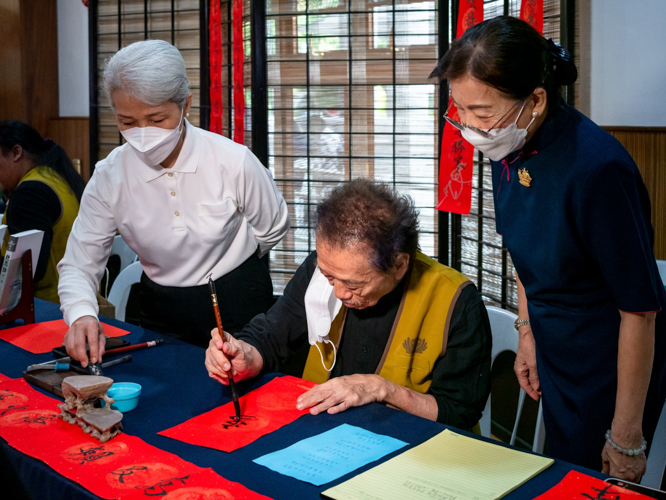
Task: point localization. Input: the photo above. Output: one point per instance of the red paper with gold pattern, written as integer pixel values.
(123, 466)
(264, 410)
(39, 338)
(531, 11)
(579, 486)
(456, 161)
(205, 485)
(239, 59)
(215, 60)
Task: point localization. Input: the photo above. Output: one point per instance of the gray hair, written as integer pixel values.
(152, 71)
(374, 214)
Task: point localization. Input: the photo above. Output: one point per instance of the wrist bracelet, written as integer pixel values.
(626, 451)
(520, 322)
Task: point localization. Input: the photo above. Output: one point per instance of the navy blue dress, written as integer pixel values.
(581, 240)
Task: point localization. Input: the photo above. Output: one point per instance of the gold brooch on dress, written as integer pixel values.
(525, 178)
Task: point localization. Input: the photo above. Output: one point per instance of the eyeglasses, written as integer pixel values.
(481, 132)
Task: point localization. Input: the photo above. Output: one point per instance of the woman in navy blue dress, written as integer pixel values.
(575, 216)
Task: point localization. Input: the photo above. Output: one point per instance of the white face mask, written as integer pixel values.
(500, 141)
(321, 308)
(153, 144)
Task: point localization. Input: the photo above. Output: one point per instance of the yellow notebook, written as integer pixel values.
(447, 467)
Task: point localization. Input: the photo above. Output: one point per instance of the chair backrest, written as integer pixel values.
(120, 290)
(505, 338)
(661, 265)
(656, 462)
(122, 250)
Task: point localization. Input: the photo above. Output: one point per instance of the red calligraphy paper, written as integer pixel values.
(39, 338)
(205, 485)
(238, 59)
(264, 410)
(531, 11)
(119, 467)
(579, 486)
(456, 161)
(123, 466)
(215, 56)
(4, 378)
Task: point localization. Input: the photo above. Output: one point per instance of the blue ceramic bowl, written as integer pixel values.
(126, 395)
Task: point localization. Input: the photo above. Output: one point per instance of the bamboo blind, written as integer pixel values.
(122, 22)
(349, 98)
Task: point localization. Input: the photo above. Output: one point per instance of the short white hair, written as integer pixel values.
(152, 71)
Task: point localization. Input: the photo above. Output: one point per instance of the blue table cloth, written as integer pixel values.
(176, 387)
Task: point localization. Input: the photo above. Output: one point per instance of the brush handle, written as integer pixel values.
(133, 347)
(218, 318)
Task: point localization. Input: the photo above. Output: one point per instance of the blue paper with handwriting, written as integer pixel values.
(330, 455)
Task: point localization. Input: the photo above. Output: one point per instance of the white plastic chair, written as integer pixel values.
(122, 250)
(656, 462)
(661, 265)
(505, 338)
(120, 290)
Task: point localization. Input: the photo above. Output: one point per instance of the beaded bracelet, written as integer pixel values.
(625, 451)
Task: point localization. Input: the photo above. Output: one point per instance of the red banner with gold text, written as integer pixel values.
(238, 57)
(456, 162)
(215, 67)
(531, 11)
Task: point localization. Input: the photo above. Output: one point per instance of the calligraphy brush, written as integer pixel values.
(152, 343)
(216, 308)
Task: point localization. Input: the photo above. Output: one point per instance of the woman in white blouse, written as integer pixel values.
(190, 203)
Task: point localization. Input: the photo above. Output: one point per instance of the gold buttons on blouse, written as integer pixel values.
(170, 174)
(177, 214)
(173, 193)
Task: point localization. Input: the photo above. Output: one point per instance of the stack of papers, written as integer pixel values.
(447, 467)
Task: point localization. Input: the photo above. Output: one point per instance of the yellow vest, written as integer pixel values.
(47, 287)
(420, 330)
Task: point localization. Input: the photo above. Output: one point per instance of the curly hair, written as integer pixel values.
(365, 212)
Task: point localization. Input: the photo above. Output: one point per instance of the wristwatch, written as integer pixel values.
(520, 322)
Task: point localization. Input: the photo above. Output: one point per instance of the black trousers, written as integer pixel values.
(186, 313)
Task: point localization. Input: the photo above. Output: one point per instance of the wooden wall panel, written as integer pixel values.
(647, 146)
(29, 62)
(72, 134)
(10, 60)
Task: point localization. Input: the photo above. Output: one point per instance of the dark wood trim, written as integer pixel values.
(93, 128)
(259, 68)
(442, 217)
(568, 38)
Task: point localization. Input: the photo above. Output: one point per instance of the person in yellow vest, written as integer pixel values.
(43, 191)
(385, 323)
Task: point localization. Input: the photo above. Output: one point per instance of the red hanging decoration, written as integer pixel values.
(85, 2)
(470, 12)
(215, 61)
(238, 58)
(456, 161)
(531, 11)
